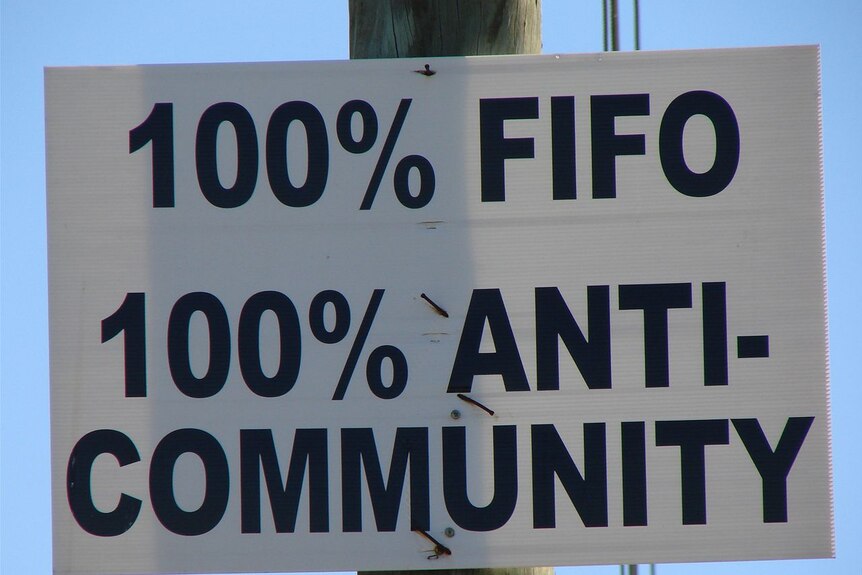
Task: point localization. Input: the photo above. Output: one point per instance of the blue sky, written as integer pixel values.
(43, 33)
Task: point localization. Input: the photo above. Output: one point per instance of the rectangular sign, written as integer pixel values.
(511, 311)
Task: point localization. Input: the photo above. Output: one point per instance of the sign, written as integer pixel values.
(355, 315)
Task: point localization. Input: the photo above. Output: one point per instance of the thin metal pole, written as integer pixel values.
(615, 27)
(605, 46)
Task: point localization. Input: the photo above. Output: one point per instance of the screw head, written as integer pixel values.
(449, 532)
(455, 414)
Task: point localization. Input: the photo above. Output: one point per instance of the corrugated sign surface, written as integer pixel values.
(523, 311)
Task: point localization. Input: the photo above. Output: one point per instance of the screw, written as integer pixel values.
(455, 414)
(449, 532)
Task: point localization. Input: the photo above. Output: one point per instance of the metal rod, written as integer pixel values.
(637, 25)
(605, 48)
(615, 27)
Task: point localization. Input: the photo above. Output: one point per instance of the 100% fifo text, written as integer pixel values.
(158, 131)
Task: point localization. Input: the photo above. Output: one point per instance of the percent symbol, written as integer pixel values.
(401, 179)
(340, 327)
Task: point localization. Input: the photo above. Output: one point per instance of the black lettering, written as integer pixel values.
(206, 155)
(79, 487)
(563, 147)
(257, 449)
(495, 148)
(554, 321)
(692, 437)
(179, 359)
(131, 320)
(607, 144)
(290, 344)
(773, 466)
(505, 360)
(634, 473)
(655, 300)
(502, 505)
(357, 445)
(317, 146)
(748, 346)
(719, 112)
(217, 482)
(714, 333)
(158, 128)
(344, 129)
(588, 493)
(317, 316)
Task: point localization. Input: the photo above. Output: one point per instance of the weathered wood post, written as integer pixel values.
(428, 28)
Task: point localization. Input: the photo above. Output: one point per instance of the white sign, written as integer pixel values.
(522, 311)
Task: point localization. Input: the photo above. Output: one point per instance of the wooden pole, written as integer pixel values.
(428, 28)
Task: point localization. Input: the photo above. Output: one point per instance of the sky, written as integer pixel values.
(41, 33)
